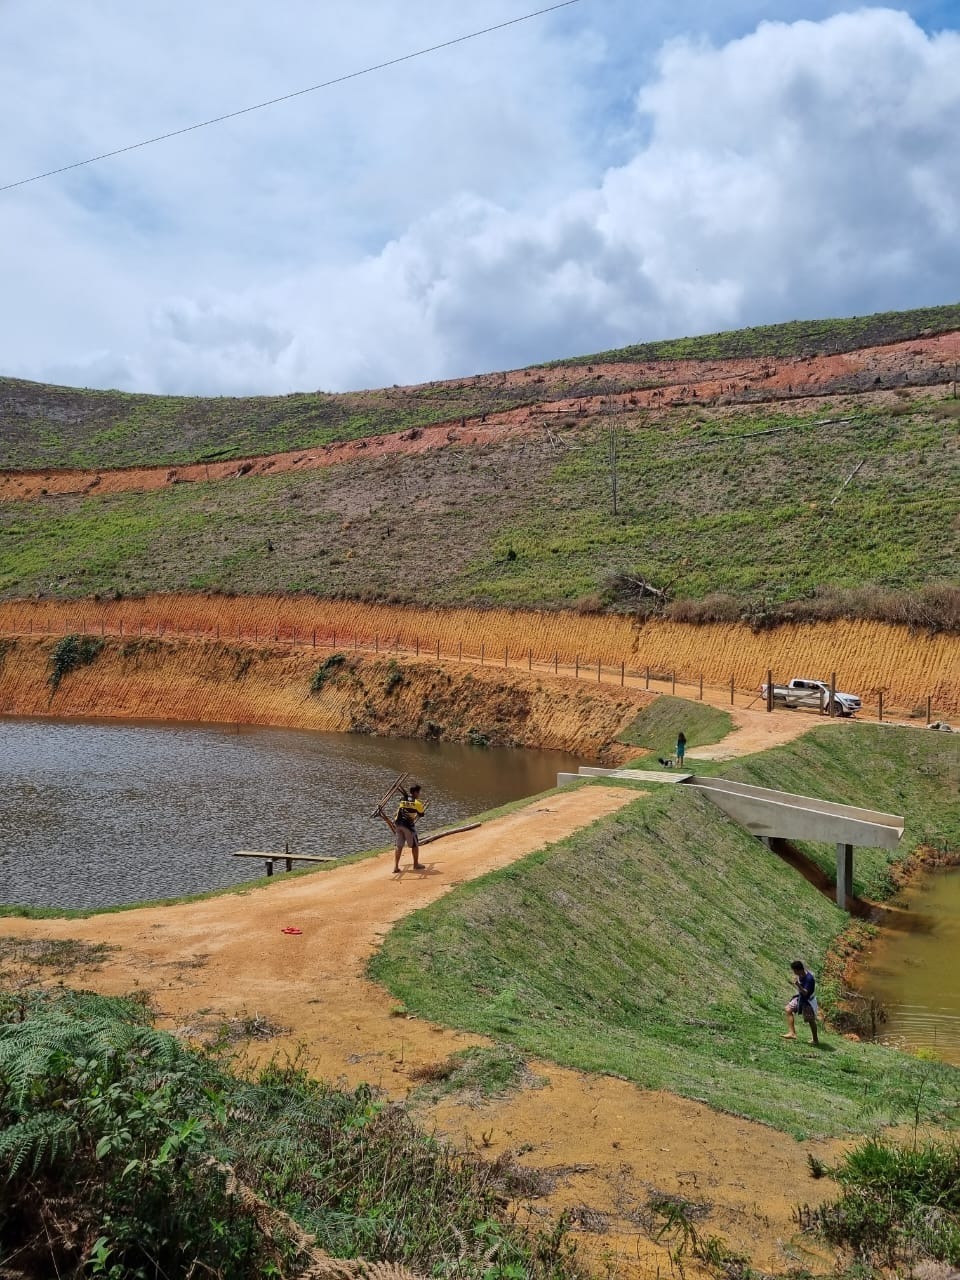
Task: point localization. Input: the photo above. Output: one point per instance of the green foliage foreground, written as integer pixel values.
(655, 945)
(126, 1155)
(900, 1203)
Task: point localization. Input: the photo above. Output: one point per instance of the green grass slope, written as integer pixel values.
(47, 426)
(657, 726)
(706, 506)
(796, 338)
(655, 945)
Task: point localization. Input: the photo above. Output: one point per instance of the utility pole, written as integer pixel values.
(613, 468)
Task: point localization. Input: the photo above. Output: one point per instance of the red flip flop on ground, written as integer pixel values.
(291, 928)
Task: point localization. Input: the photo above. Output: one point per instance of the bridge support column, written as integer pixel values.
(844, 874)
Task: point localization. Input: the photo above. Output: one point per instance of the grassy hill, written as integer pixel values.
(796, 338)
(655, 945)
(45, 426)
(751, 505)
(763, 504)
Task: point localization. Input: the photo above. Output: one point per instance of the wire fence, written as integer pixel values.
(879, 704)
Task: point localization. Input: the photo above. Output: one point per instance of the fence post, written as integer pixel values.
(506, 659)
(376, 643)
(438, 648)
(701, 686)
(647, 685)
(481, 653)
(880, 705)
(769, 689)
(529, 659)
(314, 637)
(555, 660)
(460, 651)
(598, 671)
(929, 714)
(576, 669)
(833, 693)
(623, 673)
(417, 642)
(731, 691)
(673, 682)
(218, 630)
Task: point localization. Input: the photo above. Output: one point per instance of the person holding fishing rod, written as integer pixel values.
(405, 826)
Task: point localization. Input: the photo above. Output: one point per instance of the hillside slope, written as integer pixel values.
(46, 426)
(656, 945)
(762, 477)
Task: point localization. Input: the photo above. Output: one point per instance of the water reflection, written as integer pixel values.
(915, 971)
(95, 814)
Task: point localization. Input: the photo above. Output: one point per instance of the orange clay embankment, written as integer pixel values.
(868, 657)
(650, 386)
(219, 683)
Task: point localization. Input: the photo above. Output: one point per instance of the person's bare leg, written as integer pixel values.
(812, 1023)
(417, 864)
(791, 1026)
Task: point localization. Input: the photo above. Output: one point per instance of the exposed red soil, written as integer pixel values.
(907, 666)
(656, 386)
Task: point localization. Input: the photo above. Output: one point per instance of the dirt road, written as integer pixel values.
(608, 1142)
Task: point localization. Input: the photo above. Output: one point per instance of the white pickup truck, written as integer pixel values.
(801, 692)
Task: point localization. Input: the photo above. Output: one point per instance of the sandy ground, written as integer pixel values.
(606, 1142)
(757, 729)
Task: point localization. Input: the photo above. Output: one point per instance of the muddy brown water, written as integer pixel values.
(915, 969)
(99, 814)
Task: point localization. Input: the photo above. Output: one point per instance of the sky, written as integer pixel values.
(616, 171)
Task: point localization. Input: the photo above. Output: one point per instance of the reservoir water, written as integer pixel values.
(97, 814)
(915, 969)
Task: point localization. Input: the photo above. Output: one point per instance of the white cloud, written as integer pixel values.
(462, 212)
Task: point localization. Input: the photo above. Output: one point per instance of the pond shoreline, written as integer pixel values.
(847, 965)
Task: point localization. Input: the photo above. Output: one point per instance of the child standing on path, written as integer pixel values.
(409, 811)
(681, 746)
(804, 1002)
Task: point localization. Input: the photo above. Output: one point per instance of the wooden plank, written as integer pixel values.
(454, 831)
(275, 857)
(393, 791)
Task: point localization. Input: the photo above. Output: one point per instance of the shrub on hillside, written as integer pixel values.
(326, 669)
(71, 653)
(932, 608)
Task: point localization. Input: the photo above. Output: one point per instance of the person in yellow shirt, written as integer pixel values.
(411, 808)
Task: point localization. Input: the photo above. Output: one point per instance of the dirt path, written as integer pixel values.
(653, 386)
(607, 1142)
(756, 730)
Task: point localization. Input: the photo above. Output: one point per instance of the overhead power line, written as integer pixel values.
(286, 97)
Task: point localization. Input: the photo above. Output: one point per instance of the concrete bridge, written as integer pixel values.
(780, 815)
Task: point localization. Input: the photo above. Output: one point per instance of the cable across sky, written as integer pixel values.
(286, 97)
